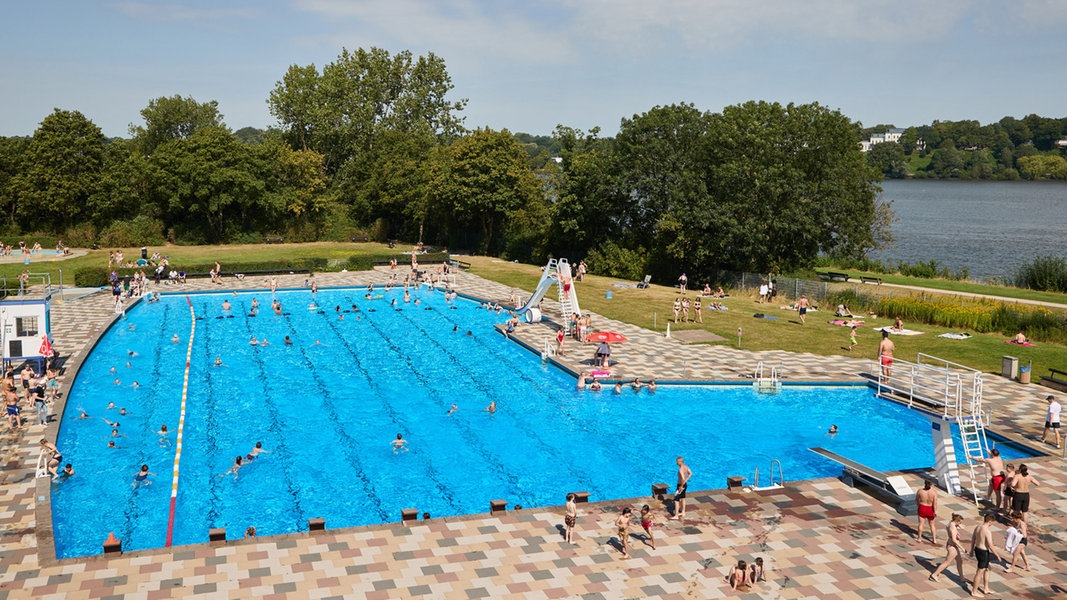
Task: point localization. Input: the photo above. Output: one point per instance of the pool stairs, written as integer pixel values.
(772, 485)
(766, 381)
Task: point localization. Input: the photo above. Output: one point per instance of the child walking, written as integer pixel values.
(646, 524)
(852, 338)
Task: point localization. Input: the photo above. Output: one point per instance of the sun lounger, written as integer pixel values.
(644, 284)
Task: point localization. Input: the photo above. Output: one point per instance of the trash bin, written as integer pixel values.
(1024, 374)
(608, 294)
(1009, 367)
(144, 253)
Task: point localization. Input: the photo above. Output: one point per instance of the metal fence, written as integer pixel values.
(787, 287)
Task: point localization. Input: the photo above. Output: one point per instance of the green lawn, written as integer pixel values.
(651, 308)
(948, 285)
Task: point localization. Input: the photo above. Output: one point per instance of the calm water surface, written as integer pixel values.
(989, 228)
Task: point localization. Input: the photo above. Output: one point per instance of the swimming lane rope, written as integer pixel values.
(181, 424)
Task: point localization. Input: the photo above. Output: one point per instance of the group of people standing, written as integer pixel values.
(38, 390)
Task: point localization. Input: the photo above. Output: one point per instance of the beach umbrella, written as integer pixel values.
(607, 336)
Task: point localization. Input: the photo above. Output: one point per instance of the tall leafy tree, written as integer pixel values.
(63, 166)
(340, 111)
(587, 208)
(13, 151)
(888, 159)
(478, 181)
(213, 185)
(174, 118)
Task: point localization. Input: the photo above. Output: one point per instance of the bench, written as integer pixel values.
(1056, 379)
(360, 238)
(893, 489)
(832, 276)
(874, 280)
(274, 239)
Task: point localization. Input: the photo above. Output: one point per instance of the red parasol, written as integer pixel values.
(607, 336)
(46, 347)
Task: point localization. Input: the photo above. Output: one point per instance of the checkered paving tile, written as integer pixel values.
(819, 538)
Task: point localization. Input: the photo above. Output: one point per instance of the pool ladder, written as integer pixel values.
(766, 381)
(781, 477)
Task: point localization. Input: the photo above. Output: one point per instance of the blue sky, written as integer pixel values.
(530, 65)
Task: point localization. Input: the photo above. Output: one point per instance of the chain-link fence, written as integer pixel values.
(787, 287)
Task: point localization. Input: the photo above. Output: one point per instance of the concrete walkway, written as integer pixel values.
(819, 538)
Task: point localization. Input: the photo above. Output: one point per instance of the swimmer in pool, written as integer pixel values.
(234, 468)
(164, 440)
(256, 451)
(832, 431)
(111, 405)
(253, 341)
(264, 342)
(141, 477)
(399, 444)
(122, 411)
(131, 353)
(112, 445)
(226, 305)
(651, 385)
(82, 414)
(218, 361)
(318, 343)
(452, 410)
(288, 342)
(618, 387)
(116, 382)
(112, 370)
(582, 381)
(595, 386)
(636, 385)
(492, 407)
(174, 339)
(129, 364)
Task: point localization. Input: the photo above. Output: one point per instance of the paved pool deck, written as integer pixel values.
(819, 538)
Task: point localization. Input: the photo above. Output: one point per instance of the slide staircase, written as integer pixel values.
(556, 272)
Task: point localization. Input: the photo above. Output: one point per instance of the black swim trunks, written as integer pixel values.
(679, 492)
(1020, 501)
(982, 556)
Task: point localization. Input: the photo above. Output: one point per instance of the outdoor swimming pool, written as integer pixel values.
(328, 412)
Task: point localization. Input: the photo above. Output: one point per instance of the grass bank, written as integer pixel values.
(652, 307)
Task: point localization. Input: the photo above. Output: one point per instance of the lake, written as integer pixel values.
(989, 227)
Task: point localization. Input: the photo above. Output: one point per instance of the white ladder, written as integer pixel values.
(972, 433)
(568, 300)
(766, 381)
(42, 465)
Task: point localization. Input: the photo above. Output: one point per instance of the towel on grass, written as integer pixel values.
(900, 332)
(955, 336)
(844, 323)
(1018, 344)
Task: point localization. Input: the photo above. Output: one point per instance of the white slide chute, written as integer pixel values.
(556, 272)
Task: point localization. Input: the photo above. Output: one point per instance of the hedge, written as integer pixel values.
(98, 276)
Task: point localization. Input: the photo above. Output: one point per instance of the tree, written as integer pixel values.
(391, 184)
(340, 112)
(174, 118)
(13, 151)
(62, 168)
(478, 181)
(1043, 166)
(888, 159)
(212, 184)
(297, 187)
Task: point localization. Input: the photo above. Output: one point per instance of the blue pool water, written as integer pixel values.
(328, 412)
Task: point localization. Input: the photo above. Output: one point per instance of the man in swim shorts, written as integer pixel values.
(995, 464)
(1052, 419)
(885, 355)
(684, 474)
(802, 308)
(926, 500)
(981, 547)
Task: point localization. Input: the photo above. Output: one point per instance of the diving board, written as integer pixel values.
(892, 488)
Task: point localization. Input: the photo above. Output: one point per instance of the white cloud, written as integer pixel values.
(176, 11)
(448, 27)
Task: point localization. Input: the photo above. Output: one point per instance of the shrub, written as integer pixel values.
(1045, 273)
(138, 231)
(984, 316)
(80, 236)
(615, 261)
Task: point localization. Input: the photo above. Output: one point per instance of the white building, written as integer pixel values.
(23, 327)
(893, 135)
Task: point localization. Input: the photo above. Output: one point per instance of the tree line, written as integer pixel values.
(1010, 149)
(372, 144)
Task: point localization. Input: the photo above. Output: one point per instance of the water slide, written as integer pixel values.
(548, 277)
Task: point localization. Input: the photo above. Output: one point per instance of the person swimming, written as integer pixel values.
(288, 341)
(399, 444)
(256, 451)
(174, 339)
(452, 410)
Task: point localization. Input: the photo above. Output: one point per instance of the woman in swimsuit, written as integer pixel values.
(738, 576)
(237, 463)
(1009, 492)
(54, 460)
(646, 524)
(1016, 542)
(677, 309)
(141, 477)
(954, 547)
(696, 309)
